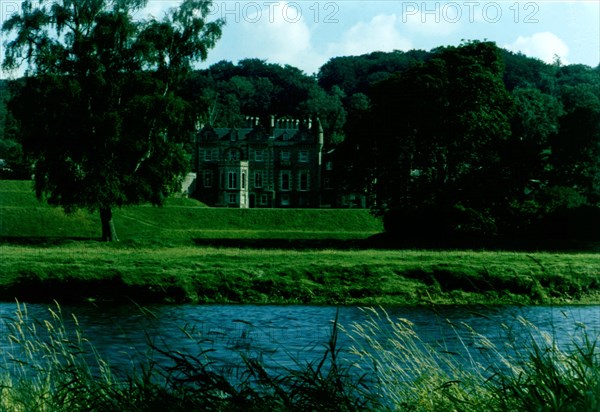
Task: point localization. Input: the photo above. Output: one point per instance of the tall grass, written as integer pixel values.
(510, 375)
(51, 368)
(55, 368)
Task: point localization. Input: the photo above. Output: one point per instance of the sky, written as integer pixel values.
(307, 33)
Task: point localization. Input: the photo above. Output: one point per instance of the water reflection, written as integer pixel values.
(283, 336)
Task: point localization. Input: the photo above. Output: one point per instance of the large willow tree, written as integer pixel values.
(99, 110)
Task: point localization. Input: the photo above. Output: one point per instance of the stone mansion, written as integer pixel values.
(278, 165)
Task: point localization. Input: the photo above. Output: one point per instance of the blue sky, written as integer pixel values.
(307, 33)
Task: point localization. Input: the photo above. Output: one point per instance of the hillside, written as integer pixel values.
(180, 220)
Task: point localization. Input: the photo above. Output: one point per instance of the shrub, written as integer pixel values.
(578, 223)
(457, 221)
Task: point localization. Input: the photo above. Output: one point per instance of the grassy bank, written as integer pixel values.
(54, 369)
(89, 270)
(180, 221)
(185, 252)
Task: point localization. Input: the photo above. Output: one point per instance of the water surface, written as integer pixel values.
(284, 336)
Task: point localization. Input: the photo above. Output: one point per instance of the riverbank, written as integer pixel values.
(186, 252)
(377, 362)
(93, 271)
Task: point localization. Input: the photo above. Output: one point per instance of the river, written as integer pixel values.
(283, 336)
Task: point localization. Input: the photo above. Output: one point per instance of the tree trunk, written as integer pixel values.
(109, 234)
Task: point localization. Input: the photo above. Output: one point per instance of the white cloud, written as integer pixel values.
(545, 46)
(379, 34)
(278, 35)
(157, 9)
(436, 22)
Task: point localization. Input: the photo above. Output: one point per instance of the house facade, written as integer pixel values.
(279, 165)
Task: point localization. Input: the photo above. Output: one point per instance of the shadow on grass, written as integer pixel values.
(295, 244)
(378, 241)
(70, 289)
(44, 240)
(384, 241)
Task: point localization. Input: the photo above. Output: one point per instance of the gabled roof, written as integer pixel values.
(209, 133)
(295, 135)
(258, 134)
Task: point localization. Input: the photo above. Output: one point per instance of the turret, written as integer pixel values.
(320, 133)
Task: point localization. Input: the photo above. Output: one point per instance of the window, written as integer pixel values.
(232, 180)
(303, 156)
(285, 200)
(233, 155)
(232, 198)
(259, 155)
(243, 180)
(303, 180)
(210, 154)
(258, 179)
(264, 199)
(285, 155)
(329, 165)
(285, 180)
(208, 178)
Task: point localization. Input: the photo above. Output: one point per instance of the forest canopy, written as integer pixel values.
(487, 140)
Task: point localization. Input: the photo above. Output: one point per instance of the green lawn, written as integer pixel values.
(179, 221)
(187, 252)
(92, 270)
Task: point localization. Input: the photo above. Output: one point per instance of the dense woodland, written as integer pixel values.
(457, 141)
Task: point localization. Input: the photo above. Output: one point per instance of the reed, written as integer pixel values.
(52, 367)
(505, 376)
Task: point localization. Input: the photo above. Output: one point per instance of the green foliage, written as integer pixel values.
(435, 222)
(581, 222)
(575, 152)
(256, 88)
(472, 127)
(424, 134)
(527, 72)
(438, 127)
(356, 74)
(534, 124)
(100, 113)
